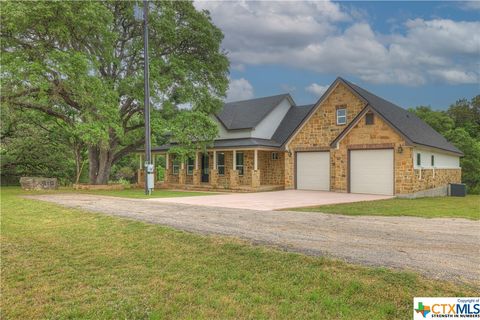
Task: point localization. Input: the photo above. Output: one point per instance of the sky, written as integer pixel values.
(411, 53)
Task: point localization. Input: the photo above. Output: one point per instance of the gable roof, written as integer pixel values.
(291, 121)
(408, 124)
(247, 114)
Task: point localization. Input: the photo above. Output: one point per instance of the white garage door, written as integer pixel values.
(313, 170)
(371, 171)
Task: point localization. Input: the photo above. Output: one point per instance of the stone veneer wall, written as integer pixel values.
(172, 178)
(188, 177)
(272, 172)
(434, 178)
(378, 135)
(322, 128)
(224, 180)
(246, 179)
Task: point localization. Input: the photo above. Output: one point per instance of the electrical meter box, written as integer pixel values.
(150, 172)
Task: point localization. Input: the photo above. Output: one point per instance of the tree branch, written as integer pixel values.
(127, 149)
(28, 105)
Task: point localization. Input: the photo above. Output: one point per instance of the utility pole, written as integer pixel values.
(149, 170)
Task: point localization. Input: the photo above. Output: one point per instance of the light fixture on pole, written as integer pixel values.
(143, 16)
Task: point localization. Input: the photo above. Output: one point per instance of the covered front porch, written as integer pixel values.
(247, 169)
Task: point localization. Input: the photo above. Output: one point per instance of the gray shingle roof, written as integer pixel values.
(248, 113)
(411, 126)
(229, 143)
(290, 122)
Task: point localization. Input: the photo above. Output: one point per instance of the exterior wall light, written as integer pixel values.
(400, 149)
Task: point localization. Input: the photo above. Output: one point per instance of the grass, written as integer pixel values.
(66, 264)
(441, 207)
(135, 193)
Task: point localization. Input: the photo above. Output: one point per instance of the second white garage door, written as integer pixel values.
(313, 171)
(371, 171)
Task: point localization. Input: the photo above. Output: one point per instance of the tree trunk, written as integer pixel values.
(100, 163)
(79, 162)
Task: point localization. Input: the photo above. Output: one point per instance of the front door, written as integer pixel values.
(204, 167)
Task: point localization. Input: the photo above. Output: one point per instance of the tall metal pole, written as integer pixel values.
(148, 145)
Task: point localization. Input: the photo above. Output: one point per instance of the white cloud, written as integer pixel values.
(239, 89)
(470, 5)
(238, 67)
(328, 37)
(456, 76)
(316, 89)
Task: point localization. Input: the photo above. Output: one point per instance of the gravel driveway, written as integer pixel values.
(439, 248)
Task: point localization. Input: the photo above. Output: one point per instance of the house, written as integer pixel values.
(350, 140)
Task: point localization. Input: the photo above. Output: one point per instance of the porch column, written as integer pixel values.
(234, 173)
(234, 160)
(196, 171)
(255, 171)
(140, 171)
(181, 173)
(213, 173)
(166, 174)
(155, 179)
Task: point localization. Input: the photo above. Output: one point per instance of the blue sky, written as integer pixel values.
(411, 53)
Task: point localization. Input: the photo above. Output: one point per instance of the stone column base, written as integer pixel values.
(141, 176)
(213, 178)
(197, 176)
(166, 176)
(255, 178)
(234, 180)
(181, 176)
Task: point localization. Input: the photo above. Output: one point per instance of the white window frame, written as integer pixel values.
(240, 166)
(274, 155)
(344, 117)
(190, 166)
(175, 166)
(220, 165)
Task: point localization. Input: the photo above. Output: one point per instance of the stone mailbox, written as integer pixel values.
(38, 183)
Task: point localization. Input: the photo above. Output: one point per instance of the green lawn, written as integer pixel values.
(126, 193)
(67, 264)
(442, 207)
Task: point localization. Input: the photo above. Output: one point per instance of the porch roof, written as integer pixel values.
(231, 143)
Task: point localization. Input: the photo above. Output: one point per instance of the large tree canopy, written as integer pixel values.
(81, 63)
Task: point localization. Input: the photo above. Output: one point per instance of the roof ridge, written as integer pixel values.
(253, 99)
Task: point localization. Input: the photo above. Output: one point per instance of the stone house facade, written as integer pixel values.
(349, 141)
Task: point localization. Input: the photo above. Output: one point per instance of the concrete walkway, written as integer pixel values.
(273, 200)
(439, 248)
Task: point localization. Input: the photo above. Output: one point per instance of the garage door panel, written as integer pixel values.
(313, 171)
(371, 171)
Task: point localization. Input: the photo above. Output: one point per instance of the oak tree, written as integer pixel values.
(81, 63)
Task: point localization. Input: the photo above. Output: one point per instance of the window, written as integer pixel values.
(239, 163)
(341, 116)
(175, 165)
(432, 160)
(190, 166)
(274, 155)
(369, 118)
(419, 159)
(221, 163)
